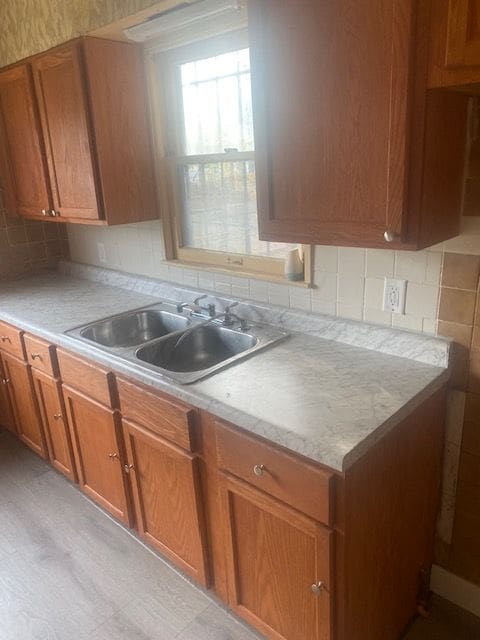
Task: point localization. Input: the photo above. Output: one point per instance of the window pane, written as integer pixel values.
(219, 211)
(217, 104)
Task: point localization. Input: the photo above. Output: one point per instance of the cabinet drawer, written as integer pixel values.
(41, 355)
(11, 340)
(286, 477)
(169, 418)
(85, 376)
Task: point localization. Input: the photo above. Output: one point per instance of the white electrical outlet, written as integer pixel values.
(394, 295)
(102, 256)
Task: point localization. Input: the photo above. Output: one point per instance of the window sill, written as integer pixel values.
(252, 275)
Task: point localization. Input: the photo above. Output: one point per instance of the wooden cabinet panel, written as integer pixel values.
(463, 33)
(167, 417)
(52, 412)
(24, 406)
(330, 113)
(11, 340)
(117, 92)
(301, 485)
(6, 415)
(98, 452)
(167, 497)
(276, 556)
(41, 355)
(454, 48)
(62, 101)
(24, 170)
(87, 377)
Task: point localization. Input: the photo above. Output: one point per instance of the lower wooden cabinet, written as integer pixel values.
(97, 446)
(278, 565)
(298, 550)
(24, 406)
(167, 496)
(52, 412)
(6, 414)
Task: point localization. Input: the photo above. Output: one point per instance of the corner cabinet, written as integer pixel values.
(350, 147)
(75, 124)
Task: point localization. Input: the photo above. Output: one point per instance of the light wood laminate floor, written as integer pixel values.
(69, 572)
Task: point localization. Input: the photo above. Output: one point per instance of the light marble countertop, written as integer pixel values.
(324, 399)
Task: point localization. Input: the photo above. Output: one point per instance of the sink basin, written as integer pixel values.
(180, 347)
(201, 349)
(133, 328)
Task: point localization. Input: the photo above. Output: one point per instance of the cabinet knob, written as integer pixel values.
(5, 380)
(54, 213)
(57, 416)
(112, 456)
(317, 588)
(44, 212)
(259, 469)
(128, 468)
(391, 236)
(35, 356)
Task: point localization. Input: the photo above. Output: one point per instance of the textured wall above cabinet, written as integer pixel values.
(31, 26)
(351, 148)
(75, 130)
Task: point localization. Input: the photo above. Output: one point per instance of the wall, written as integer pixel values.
(28, 246)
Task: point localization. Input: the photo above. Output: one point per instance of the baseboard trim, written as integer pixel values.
(457, 590)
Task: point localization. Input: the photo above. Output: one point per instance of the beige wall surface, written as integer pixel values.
(31, 26)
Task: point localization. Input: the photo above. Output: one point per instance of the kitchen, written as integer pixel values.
(240, 319)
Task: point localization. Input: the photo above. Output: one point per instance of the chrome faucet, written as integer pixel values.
(196, 308)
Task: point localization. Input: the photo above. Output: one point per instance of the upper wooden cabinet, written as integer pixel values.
(24, 170)
(455, 44)
(84, 115)
(351, 149)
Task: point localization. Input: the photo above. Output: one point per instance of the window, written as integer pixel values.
(209, 156)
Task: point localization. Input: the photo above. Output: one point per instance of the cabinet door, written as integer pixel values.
(60, 88)
(463, 33)
(167, 497)
(24, 169)
(24, 405)
(330, 84)
(52, 412)
(6, 414)
(98, 454)
(278, 564)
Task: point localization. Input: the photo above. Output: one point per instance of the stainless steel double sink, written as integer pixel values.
(181, 346)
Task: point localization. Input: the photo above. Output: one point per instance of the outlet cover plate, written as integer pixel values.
(394, 295)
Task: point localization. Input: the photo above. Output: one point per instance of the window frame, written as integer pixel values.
(167, 125)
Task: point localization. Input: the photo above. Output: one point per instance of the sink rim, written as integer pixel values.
(266, 336)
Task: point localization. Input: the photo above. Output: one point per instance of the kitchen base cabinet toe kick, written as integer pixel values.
(298, 550)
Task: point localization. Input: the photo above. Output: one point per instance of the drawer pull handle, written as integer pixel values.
(57, 416)
(6, 339)
(128, 468)
(112, 456)
(317, 588)
(36, 356)
(259, 469)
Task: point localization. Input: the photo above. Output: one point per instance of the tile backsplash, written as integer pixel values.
(348, 282)
(29, 245)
